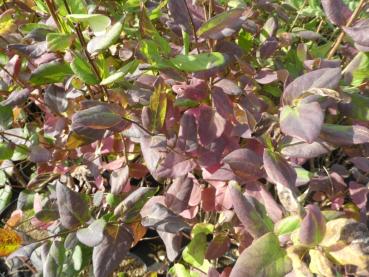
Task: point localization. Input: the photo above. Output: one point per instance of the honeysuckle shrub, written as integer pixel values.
(235, 130)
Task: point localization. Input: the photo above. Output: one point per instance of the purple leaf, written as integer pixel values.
(256, 223)
(313, 227)
(39, 154)
(118, 179)
(107, 256)
(172, 242)
(178, 194)
(321, 78)
(361, 163)
(153, 149)
(218, 246)
(245, 163)
(187, 135)
(359, 32)
(278, 169)
(228, 87)
(93, 234)
(163, 219)
(303, 122)
(296, 148)
(16, 98)
(210, 125)
(344, 135)
(131, 206)
(222, 103)
(224, 24)
(33, 50)
(56, 99)
(73, 209)
(336, 11)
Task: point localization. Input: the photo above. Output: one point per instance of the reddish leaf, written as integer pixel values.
(107, 256)
(278, 170)
(245, 163)
(256, 223)
(208, 199)
(218, 246)
(313, 227)
(178, 194)
(73, 209)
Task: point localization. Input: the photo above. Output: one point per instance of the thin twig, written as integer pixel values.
(193, 27)
(348, 24)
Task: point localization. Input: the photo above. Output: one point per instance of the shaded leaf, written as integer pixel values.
(163, 219)
(218, 246)
(264, 257)
(16, 98)
(56, 99)
(344, 135)
(107, 256)
(73, 209)
(173, 244)
(178, 194)
(278, 169)
(130, 207)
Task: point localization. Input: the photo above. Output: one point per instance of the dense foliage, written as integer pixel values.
(235, 131)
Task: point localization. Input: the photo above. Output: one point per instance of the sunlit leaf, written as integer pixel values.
(9, 242)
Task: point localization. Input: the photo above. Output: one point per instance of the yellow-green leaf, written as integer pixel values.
(9, 242)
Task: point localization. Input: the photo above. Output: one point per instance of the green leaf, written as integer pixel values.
(5, 196)
(150, 50)
(120, 73)
(6, 117)
(82, 69)
(200, 62)
(100, 43)
(77, 258)
(58, 41)
(97, 22)
(20, 153)
(264, 257)
(158, 108)
(179, 270)
(195, 251)
(48, 73)
(287, 225)
(319, 264)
